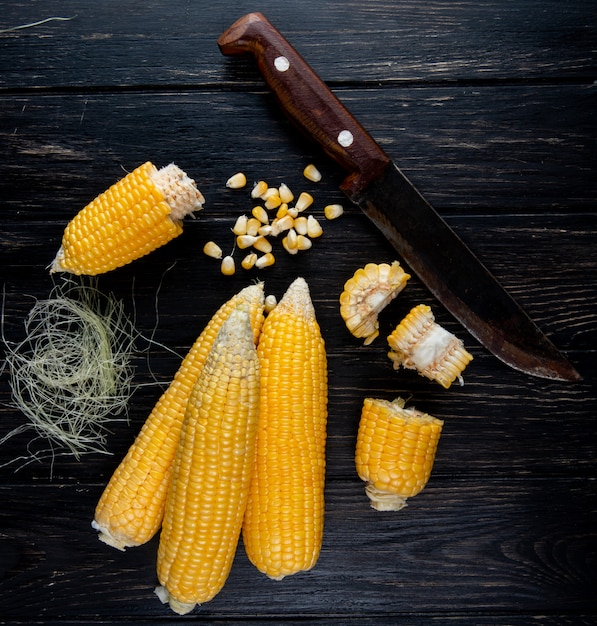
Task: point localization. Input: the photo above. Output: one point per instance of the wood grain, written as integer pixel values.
(489, 108)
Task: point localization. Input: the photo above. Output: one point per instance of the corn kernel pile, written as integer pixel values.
(279, 214)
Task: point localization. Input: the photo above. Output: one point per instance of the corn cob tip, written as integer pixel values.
(108, 538)
(298, 298)
(181, 608)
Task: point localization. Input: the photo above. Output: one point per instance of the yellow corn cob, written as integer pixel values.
(283, 525)
(138, 214)
(418, 342)
(367, 293)
(395, 451)
(130, 510)
(212, 471)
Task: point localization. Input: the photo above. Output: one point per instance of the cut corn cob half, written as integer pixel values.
(367, 293)
(212, 471)
(131, 508)
(138, 214)
(283, 524)
(395, 451)
(418, 342)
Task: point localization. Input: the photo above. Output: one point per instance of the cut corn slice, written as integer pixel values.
(212, 471)
(418, 342)
(395, 451)
(136, 215)
(131, 507)
(367, 293)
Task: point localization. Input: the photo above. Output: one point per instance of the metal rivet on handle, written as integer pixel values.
(281, 64)
(345, 138)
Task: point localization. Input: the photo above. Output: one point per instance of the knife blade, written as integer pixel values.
(430, 248)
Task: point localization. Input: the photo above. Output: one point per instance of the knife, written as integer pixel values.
(422, 238)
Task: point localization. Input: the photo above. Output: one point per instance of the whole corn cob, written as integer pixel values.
(395, 451)
(212, 471)
(283, 525)
(418, 342)
(136, 215)
(130, 510)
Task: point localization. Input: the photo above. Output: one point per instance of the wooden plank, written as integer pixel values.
(122, 43)
(472, 150)
(455, 546)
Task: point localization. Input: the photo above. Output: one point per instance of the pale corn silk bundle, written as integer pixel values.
(71, 375)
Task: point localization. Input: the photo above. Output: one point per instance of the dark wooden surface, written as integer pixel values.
(489, 107)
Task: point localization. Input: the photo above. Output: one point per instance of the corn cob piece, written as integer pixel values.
(395, 451)
(283, 525)
(212, 471)
(131, 508)
(136, 215)
(367, 293)
(418, 342)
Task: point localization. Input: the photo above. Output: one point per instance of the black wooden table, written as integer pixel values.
(489, 107)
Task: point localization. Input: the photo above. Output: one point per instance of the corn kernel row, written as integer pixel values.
(252, 232)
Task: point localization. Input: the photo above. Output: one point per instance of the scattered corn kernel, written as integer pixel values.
(246, 241)
(270, 303)
(395, 451)
(279, 225)
(418, 342)
(312, 173)
(332, 211)
(282, 210)
(249, 261)
(269, 192)
(265, 261)
(260, 214)
(293, 212)
(314, 228)
(290, 242)
(253, 226)
(303, 243)
(259, 189)
(262, 244)
(228, 267)
(369, 291)
(212, 249)
(304, 201)
(237, 181)
(265, 230)
(286, 194)
(300, 225)
(240, 226)
(273, 202)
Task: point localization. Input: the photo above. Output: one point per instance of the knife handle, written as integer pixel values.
(307, 100)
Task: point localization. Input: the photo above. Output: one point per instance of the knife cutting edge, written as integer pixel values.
(422, 238)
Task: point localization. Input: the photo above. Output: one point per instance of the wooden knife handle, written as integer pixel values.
(307, 100)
